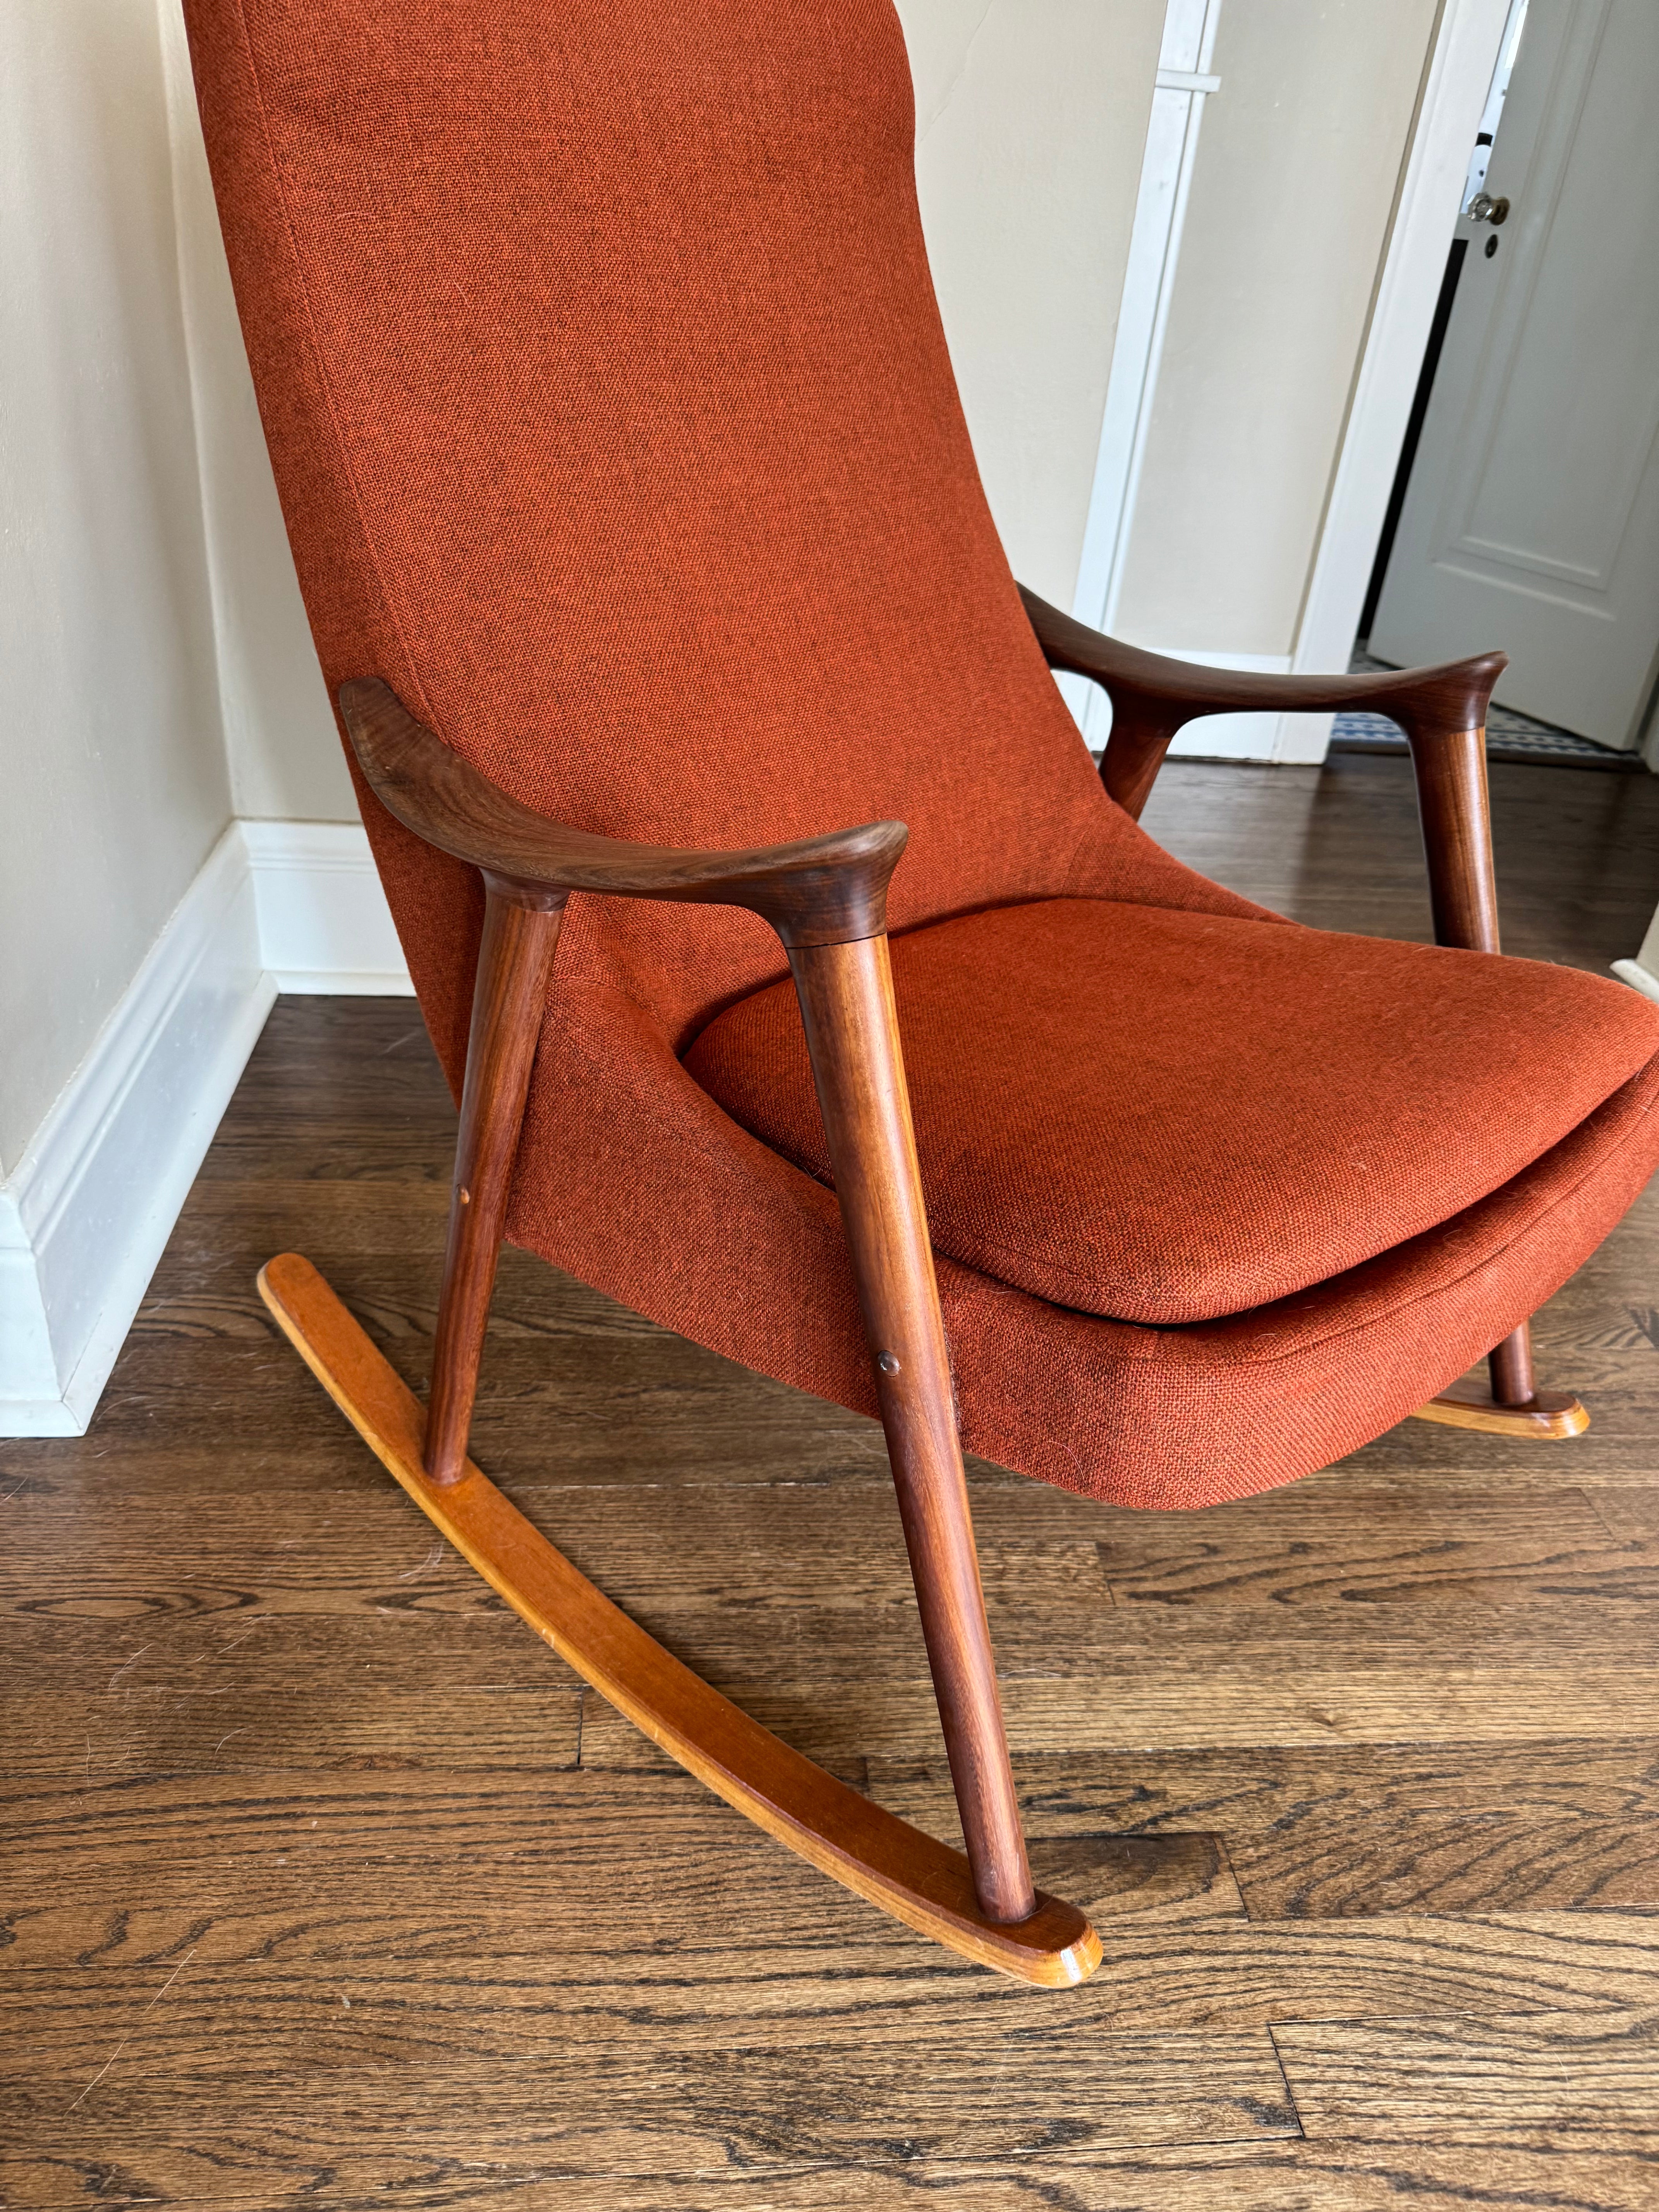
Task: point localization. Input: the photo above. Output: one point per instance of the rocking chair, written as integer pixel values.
(631, 500)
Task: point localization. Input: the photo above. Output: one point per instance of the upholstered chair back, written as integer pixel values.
(614, 424)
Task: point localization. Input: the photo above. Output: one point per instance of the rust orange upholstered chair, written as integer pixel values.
(632, 500)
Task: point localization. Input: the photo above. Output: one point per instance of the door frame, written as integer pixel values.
(1461, 58)
(1457, 72)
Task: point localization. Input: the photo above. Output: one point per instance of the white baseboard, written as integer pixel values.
(84, 1218)
(324, 921)
(277, 906)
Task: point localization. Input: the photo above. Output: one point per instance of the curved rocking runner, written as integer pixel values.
(827, 900)
(918, 1880)
(1548, 1416)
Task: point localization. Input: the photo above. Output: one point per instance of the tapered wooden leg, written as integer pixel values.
(520, 934)
(846, 1003)
(1455, 811)
(1450, 767)
(1509, 1366)
(1135, 746)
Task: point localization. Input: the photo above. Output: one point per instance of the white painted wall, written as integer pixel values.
(115, 780)
(1296, 180)
(1030, 121)
(281, 744)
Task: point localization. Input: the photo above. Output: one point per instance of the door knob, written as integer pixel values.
(1483, 209)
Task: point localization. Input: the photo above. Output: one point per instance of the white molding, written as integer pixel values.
(1456, 85)
(1642, 974)
(85, 1216)
(291, 906)
(1639, 977)
(1183, 85)
(324, 921)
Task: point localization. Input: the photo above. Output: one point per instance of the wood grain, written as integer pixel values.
(1343, 1832)
(1542, 1416)
(1153, 697)
(1411, 1783)
(845, 996)
(759, 2118)
(515, 957)
(275, 2161)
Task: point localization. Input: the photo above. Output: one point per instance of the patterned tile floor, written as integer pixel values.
(1510, 735)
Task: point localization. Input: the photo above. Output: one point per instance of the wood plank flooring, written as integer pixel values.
(325, 1884)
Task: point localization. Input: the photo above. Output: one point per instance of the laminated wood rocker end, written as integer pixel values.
(1549, 1417)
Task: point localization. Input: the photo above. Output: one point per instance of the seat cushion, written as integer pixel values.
(1168, 1117)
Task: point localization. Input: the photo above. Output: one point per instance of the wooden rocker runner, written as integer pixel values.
(631, 500)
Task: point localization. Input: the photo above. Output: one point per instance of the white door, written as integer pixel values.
(1532, 517)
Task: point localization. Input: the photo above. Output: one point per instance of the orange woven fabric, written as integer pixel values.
(1168, 1116)
(1178, 1418)
(614, 426)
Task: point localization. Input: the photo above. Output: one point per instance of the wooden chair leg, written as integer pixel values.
(845, 995)
(520, 935)
(983, 1907)
(1512, 1405)
(1450, 766)
(1133, 753)
(1510, 1366)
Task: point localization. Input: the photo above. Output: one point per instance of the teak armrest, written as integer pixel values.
(1152, 697)
(823, 890)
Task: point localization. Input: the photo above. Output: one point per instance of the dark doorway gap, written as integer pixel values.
(1438, 328)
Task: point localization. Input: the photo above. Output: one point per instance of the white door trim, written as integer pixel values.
(1182, 86)
(1455, 87)
(1456, 77)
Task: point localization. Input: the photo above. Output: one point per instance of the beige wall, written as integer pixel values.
(1030, 124)
(114, 779)
(282, 747)
(1297, 167)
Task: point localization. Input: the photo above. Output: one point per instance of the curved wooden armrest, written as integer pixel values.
(823, 890)
(1152, 697)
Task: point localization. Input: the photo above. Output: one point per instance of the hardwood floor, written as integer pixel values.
(324, 1883)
